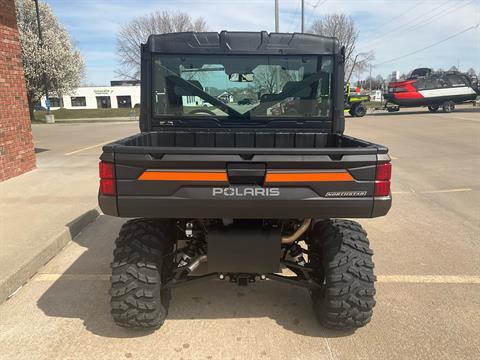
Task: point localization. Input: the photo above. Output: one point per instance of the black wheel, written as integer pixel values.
(343, 266)
(448, 106)
(358, 110)
(393, 109)
(139, 269)
(433, 108)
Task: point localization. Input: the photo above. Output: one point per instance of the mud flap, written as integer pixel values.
(243, 248)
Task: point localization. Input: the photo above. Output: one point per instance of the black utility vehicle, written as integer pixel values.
(243, 193)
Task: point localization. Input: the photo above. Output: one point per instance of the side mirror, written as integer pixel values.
(237, 77)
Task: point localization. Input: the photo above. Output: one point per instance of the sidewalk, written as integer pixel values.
(92, 120)
(44, 209)
(39, 213)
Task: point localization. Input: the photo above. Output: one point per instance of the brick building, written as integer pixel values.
(17, 154)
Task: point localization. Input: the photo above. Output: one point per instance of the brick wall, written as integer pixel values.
(17, 154)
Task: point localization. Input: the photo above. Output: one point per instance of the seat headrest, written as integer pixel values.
(304, 93)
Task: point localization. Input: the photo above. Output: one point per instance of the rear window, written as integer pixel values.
(430, 84)
(242, 87)
(456, 80)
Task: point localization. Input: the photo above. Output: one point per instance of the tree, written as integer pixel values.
(270, 79)
(137, 31)
(57, 62)
(380, 82)
(453, 68)
(471, 72)
(343, 28)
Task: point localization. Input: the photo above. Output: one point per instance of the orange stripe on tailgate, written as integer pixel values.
(184, 176)
(278, 177)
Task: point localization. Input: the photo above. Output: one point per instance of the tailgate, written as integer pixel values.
(245, 183)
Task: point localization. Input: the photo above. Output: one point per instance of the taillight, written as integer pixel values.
(382, 179)
(107, 178)
(384, 171)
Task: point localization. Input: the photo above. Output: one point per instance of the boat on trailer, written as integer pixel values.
(435, 90)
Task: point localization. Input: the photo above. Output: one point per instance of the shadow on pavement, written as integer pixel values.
(74, 296)
(40, 150)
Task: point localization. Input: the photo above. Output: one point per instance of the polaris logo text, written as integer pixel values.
(346, 194)
(246, 192)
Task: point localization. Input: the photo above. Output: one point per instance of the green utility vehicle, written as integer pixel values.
(354, 104)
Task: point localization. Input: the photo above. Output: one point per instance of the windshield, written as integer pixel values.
(242, 86)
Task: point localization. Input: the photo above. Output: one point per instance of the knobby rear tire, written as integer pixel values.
(139, 269)
(344, 269)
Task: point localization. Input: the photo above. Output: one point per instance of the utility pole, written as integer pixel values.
(47, 101)
(370, 81)
(303, 15)
(277, 25)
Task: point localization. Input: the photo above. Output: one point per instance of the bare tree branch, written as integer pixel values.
(343, 28)
(136, 32)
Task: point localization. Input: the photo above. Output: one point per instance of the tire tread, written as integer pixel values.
(346, 299)
(137, 300)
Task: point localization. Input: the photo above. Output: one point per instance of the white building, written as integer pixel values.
(97, 97)
(394, 76)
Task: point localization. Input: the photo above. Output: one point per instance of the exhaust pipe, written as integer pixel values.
(195, 263)
(299, 232)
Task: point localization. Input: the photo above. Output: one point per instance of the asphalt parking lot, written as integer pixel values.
(427, 258)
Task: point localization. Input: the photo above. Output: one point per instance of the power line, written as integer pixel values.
(418, 26)
(429, 46)
(319, 2)
(421, 24)
(399, 15)
(409, 22)
(294, 17)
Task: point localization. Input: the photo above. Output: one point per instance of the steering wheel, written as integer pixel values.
(201, 111)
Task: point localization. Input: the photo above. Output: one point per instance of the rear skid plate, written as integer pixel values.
(244, 247)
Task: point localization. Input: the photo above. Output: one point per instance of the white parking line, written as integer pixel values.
(445, 191)
(72, 277)
(406, 279)
(429, 279)
(89, 147)
(432, 191)
(449, 117)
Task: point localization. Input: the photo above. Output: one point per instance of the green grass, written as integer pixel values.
(65, 114)
(373, 104)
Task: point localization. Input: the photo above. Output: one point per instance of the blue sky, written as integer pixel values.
(391, 28)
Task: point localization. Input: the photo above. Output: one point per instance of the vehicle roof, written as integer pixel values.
(234, 42)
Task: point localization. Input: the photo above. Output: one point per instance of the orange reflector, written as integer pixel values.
(184, 176)
(278, 177)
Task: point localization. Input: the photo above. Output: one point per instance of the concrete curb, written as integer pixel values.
(52, 248)
(89, 120)
(94, 120)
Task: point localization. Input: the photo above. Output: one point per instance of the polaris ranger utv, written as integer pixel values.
(241, 192)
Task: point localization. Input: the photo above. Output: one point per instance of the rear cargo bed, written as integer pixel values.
(243, 139)
(244, 174)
